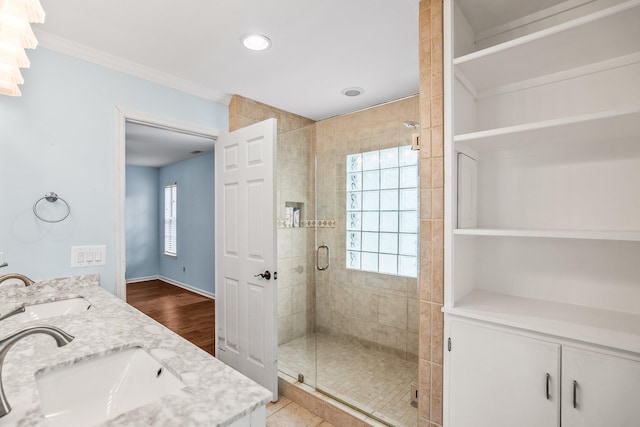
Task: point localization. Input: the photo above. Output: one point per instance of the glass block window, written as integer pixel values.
(382, 211)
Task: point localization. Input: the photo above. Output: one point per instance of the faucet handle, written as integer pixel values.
(4, 264)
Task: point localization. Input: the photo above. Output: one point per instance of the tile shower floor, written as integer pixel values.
(375, 382)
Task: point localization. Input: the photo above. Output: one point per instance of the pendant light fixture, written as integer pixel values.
(16, 35)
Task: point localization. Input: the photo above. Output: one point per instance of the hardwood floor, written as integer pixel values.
(186, 313)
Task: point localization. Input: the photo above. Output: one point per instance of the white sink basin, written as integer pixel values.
(54, 308)
(98, 389)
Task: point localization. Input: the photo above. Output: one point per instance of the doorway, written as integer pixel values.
(164, 140)
(173, 285)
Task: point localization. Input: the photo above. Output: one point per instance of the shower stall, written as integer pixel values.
(348, 259)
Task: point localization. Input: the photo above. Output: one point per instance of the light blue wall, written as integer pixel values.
(141, 208)
(194, 265)
(59, 136)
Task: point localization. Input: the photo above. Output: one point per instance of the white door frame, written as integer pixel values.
(122, 116)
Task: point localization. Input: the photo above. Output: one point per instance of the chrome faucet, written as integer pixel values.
(24, 279)
(61, 337)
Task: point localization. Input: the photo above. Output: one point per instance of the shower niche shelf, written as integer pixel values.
(293, 214)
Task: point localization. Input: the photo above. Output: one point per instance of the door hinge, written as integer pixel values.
(449, 343)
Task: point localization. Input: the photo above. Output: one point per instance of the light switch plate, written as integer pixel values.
(86, 256)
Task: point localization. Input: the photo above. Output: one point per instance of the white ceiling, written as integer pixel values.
(318, 47)
(154, 147)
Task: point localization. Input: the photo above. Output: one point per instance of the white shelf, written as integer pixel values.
(590, 325)
(603, 35)
(632, 235)
(603, 127)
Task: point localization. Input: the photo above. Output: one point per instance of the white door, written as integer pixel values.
(246, 327)
(606, 391)
(498, 379)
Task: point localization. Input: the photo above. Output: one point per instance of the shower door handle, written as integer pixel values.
(318, 257)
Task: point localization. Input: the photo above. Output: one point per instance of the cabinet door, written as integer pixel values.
(500, 379)
(607, 389)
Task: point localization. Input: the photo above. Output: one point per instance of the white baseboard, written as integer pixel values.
(142, 279)
(188, 287)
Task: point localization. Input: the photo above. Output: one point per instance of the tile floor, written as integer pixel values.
(285, 413)
(377, 383)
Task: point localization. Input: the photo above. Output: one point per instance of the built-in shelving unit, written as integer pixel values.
(547, 240)
(587, 324)
(575, 43)
(630, 236)
(585, 128)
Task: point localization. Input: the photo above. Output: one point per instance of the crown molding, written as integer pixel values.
(89, 54)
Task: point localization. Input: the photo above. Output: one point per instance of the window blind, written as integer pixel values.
(170, 219)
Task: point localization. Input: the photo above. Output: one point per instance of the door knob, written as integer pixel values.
(265, 275)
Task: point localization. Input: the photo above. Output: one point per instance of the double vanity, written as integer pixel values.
(120, 369)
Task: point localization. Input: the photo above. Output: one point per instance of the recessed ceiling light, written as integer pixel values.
(256, 42)
(352, 91)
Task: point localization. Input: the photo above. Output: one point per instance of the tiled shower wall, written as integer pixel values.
(295, 183)
(431, 214)
(378, 310)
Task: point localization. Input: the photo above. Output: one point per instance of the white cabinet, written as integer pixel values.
(599, 389)
(257, 418)
(499, 379)
(505, 379)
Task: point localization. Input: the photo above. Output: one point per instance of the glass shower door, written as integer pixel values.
(367, 302)
(296, 254)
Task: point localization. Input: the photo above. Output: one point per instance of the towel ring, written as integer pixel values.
(51, 198)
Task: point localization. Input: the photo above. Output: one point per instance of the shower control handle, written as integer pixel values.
(265, 275)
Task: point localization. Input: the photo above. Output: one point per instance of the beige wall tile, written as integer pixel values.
(437, 333)
(425, 143)
(436, 393)
(392, 311)
(426, 272)
(437, 200)
(339, 417)
(425, 105)
(437, 285)
(424, 389)
(425, 23)
(437, 230)
(413, 315)
(437, 141)
(437, 111)
(425, 330)
(426, 205)
(436, 18)
(392, 338)
(437, 171)
(425, 173)
(302, 398)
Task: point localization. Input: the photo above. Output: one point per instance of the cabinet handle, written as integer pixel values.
(548, 382)
(575, 394)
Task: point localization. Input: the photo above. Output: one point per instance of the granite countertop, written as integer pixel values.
(215, 394)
